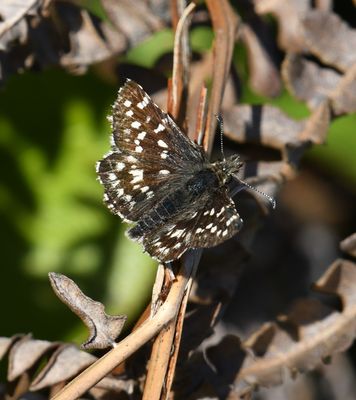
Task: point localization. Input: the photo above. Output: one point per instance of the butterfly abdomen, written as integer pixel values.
(163, 212)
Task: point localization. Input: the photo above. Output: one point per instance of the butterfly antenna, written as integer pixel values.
(270, 198)
(221, 125)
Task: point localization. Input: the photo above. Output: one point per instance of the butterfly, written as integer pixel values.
(159, 179)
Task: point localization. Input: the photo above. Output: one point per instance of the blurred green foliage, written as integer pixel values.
(53, 129)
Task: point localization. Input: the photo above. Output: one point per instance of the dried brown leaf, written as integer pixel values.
(264, 76)
(6, 343)
(13, 25)
(90, 40)
(308, 335)
(308, 81)
(288, 14)
(330, 38)
(64, 364)
(42, 33)
(269, 126)
(316, 126)
(25, 354)
(135, 19)
(265, 125)
(348, 245)
(103, 328)
(343, 98)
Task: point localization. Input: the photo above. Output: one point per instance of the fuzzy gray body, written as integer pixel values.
(160, 179)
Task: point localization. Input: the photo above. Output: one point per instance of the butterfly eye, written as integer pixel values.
(228, 179)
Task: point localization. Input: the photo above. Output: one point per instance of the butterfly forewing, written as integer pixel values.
(149, 154)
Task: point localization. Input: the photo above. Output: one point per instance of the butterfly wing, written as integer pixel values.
(149, 155)
(216, 221)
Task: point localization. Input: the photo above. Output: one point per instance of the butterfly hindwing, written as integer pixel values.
(214, 222)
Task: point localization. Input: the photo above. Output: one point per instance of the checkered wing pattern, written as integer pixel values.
(215, 221)
(150, 155)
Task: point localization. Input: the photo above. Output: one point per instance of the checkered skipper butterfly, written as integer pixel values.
(158, 178)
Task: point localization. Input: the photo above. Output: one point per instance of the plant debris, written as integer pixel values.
(103, 328)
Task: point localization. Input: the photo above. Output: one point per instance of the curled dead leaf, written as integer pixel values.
(348, 245)
(136, 20)
(13, 25)
(308, 81)
(264, 76)
(333, 45)
(64, 364)
(90, 40)
(25, 354)
(288, 15)
(344, 96)
(308, 335)
(34, 365)
(103, 328)
(269, 126)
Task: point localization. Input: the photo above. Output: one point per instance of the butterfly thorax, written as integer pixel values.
(197, 187)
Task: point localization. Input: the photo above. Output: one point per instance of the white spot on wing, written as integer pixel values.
(138, 149)
(144, 189)
(161, 143)
(131, 159)
(164, 172)
(220, 212)
(137, 174)
(164, 154)
(159, 128)
(212, 211)
(177, 233)
(127, 103)
(228, 223)
(129, 113)
(120, 166)
(141, 135)
(136, 124)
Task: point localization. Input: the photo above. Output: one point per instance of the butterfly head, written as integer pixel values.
(229, 167)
